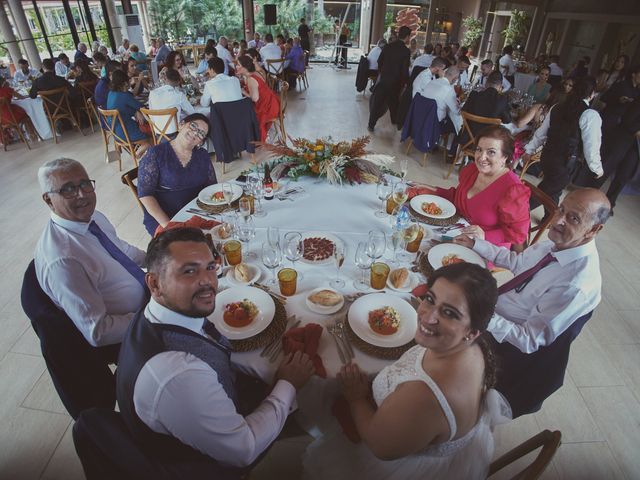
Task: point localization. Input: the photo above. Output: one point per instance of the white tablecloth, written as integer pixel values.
(35, 110)
(524, 80)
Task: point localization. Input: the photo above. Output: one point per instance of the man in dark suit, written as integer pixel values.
(49, 81)
(393, 68)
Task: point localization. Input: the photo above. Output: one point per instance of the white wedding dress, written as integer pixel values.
(334, 457)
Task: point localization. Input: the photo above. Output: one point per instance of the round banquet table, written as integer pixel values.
(35, 110)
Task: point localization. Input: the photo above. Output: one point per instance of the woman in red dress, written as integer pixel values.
(265, 100)
(9, 93)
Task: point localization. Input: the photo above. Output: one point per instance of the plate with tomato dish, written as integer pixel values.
(449, 253)
(433, 206)
(383, 320)
(212, 195)
(242, 312)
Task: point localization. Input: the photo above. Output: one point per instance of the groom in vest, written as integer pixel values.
(176, 387)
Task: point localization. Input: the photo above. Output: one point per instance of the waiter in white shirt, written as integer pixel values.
(170, 96)
(271, 51)
(507, 66)
(441, 90)
(177, 390)
(486, 67)
(224, 53)
(220, 87)
(436, 70)
(81, 264)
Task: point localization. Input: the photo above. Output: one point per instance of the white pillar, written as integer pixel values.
(24, 31)
(142, 11)
(9, 37)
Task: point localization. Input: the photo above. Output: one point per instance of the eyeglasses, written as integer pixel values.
(71, 191)
(201, 134)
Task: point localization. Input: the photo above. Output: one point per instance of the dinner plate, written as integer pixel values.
(448, 208)
(205, 194)
(437, 253)
(216, 236)
(321, 308)
(262, 300)
(358, 318)
(336, 242)
(255, 273)
(412, 282)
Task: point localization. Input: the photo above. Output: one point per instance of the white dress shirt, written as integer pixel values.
(554, 69)
(168, 96)
(221, 88)
(506, 84)
(373, 57)
(226, 57)
(444, 94)
(556, 296)
(507, 67)
(23, 77)
(423, 60)
(590, 124)
(257, 45)
(62, 70)
(463, 79)
(421, 81)
(271, 52)
(81, 278)
(178, 394)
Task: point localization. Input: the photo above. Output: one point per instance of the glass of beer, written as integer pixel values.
(379, 274)
(233, 252)
(414, 245)
(287, 278)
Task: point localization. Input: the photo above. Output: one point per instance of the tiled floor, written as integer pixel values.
(598, 409)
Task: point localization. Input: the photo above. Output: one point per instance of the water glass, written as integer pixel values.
(363, 262)
(273, 236)
(244, 207)
(384, 191)
(271, 258)
(294, 248)
(338, 257)
(246, 231)
(227, 191)
(377, 244)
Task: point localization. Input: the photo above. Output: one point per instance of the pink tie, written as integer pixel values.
(523, 277)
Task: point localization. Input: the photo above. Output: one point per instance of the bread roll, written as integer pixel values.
(326, 298)
(242, 273)
(399, 277)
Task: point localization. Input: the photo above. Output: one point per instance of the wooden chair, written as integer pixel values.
(86, 90)
(12, 123)
(106, 134)
(161, 121)
(549, 206)
(278, 122)
(535, 158)
(306, 67)
(57, 106)
(467, 150)
(445, 137)
(275, 71)
(128, 178)
(111, 120)
(548, 440)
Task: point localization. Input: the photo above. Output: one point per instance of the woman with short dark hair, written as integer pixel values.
(121, 99)
(175, 60)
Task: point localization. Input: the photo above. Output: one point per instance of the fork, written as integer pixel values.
(343, 356)
(341, 333)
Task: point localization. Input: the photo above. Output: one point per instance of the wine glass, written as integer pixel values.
(404, 167)
(273, 236)
(244, 207)
(229, 221)
(246, 231)
(338, 256)
(409, 234)
(255, 184)
(363, 262)
(377, 244)
(271, 258)
(396, 241)
(294, 248)
(400, 193)
(384, 191)
(227, 191)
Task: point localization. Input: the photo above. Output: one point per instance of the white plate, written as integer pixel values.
(437, 253)
(412, 283)
(205, 194)
(262, 300)
(255, 273)
(328, 236)
(359, 319)
(448, 208)
(321, 308)
(215, 236)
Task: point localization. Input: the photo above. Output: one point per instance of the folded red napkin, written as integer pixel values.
(305, 339)
(342, 412)
(193, 222)
(415, 191)
(421, 290)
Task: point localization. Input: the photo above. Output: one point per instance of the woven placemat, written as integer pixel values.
(424, 266)
(439, 222)
(217, 208)
(384, 353)
(268, 335)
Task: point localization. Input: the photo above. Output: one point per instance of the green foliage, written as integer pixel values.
(322, 23)
(518, 28)
(473, 31)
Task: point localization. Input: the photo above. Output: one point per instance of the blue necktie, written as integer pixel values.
(117, 254)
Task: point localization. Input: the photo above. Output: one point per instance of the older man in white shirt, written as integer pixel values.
(224, 53)
(220, 87)
(81, 264)
(441, 90)
(170, 96)
(256, 42)
(436, 70)
(271, 52)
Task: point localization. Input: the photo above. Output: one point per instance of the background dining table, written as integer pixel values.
(35, 109)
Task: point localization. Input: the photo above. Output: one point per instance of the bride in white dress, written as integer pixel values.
(432, 412)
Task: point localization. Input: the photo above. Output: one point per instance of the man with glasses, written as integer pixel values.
(81, 264)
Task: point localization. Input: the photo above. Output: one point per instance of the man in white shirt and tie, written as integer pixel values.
(220, 87)
(436, 70)
(486, 67)
(177, 389)
(170, 96)
(271, 51)
(256, 42)
(224, 53)
(441, 90)
(81, 264)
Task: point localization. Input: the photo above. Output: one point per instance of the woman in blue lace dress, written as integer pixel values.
(172, 174)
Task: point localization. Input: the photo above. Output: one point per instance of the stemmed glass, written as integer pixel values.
(246, 231)
(363, 262)
(409, 234)
(384, 191)
(257, 190)
(271, 258)
(404, 167)
(377, 244)
(338, 256)
(294, 249)
(273, 236)
(244, 207)
(396, 241)
(400, 193)
(229, 223)
(227, 191)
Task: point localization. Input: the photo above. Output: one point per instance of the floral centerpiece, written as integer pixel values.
(338, 162)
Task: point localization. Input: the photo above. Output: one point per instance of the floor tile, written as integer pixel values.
(18, 375)
(586, 461)
(43, 396)
(64, 463)
(589, 364)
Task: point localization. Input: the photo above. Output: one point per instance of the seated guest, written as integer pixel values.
(271, 52)
(430, 415)
(282, 44)
(223, 53)
(9, 94)
(243, 48)
(220, 87)
(374, 55)
(581, 68)
(24, 73)
(50, 81)
(81, 53)
(441, 90)
(121, 99)
(436, 70)
(175, 61)
(178, 392)
(489, 194)
(83, 73)
(209, 53)
(256, 42)
(486, 67)
(105, 51)
(172, 174)
(540, 89)
(81, 264)
(123, 50)
(63, 66)
(463, 65)
(162, 53)
(264, 99)
(101, 92)
(139, 57)
(295, 66)
(100, 60)
(555, 72)
(507, 65)
(489, 102)
(170, 96)
(137, 80)
(153, 49)
(257, 62)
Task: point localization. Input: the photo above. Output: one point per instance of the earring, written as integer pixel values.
(466, 339)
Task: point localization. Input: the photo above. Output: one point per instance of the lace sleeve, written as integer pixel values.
(211, 173)
(148, 174)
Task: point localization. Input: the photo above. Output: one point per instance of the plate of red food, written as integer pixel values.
(449, 253)
(433, 206)
(212, 195)
(383, 320)
(319, 247)
(242, 312)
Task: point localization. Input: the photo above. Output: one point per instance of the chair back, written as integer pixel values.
(406, 97)
(527, 379)
(5, 107)
(57, 107)
(548, 440)
(421, 123)
(550, 207)
(234, 128)
(80, 372)
(275, 66)
(164, 122)
(112, 119)
(468, 119)
(128, 179)
(86, 90)
(12, 122)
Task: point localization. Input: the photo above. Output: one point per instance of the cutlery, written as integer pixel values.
(201, 213)
(340, 332)
(282, 298)
(277, 343)
(331, 330)
(449, 227)
(276, 352)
